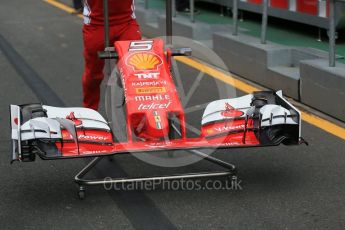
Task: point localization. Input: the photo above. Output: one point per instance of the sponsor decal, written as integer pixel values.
(231, 111)
(144, 61)
(149, 83)
(157, 97)
(150, 90)
(154, 106)
(228, 128)
(83, 137)
(76, 121)
(209, 131)
(230, 143)
(140, 45)
(92, 137)
(157, 120)
(144, 76)
(158, 144)
(94, 151)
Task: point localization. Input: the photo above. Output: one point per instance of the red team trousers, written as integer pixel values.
(93, 36)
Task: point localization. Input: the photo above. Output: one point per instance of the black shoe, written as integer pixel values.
(187, 11)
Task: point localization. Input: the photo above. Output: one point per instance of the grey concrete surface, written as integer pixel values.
(323, 87)
(148, 21)
(283, 187)
(258, 62)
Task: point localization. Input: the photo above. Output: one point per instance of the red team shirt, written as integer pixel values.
(120, 11)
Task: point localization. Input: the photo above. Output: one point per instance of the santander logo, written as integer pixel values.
(76, 121)
(231, 111)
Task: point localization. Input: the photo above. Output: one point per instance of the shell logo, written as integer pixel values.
(209, 131)
(144, 61)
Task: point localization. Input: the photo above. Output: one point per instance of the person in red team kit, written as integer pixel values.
(123, 26)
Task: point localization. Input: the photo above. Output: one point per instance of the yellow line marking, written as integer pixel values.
(324, 124)
(218, 75)
(62, 6)
(245, 87)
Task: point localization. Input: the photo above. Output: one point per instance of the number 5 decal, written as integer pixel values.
(140, 46)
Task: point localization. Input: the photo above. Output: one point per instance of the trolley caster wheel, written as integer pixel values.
(234, 183)
(233, 178)
(81, 194)
(230, 180)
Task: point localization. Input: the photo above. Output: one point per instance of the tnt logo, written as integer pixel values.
(144, 61)
(147, 75)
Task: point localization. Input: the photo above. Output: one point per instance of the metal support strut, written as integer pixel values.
(106, 35)
(168, 25)
(264, 21)
(230, 171)
(332, 33)
(235, 17)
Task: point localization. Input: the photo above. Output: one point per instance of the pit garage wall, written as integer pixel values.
(311, 12)
(302, 73)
